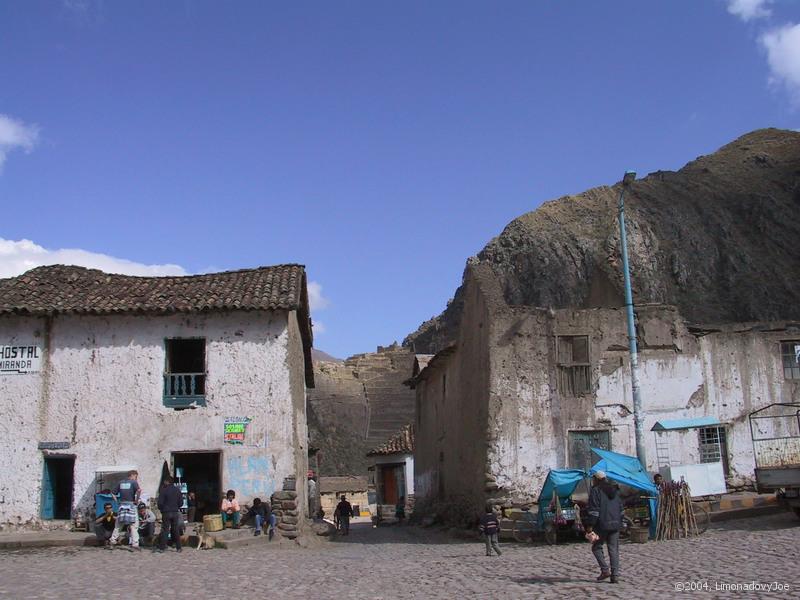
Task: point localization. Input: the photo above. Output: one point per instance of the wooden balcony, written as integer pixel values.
(184, 390)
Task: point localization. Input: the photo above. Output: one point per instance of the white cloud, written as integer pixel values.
(315, 298)
(16, 257)
(318, 327)
(14, 134)
(748, 10)
(783, 55)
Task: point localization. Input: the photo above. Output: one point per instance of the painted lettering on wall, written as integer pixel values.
(235, 428)
(250, 476)
(15, 360)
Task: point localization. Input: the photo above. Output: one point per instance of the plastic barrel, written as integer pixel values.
(212, 522)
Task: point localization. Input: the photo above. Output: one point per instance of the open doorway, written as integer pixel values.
(57, 483)
(202, 475)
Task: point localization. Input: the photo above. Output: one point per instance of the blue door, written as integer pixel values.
(48, 493)
(58, 477)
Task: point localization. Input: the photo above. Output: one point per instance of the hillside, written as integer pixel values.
(720, 238)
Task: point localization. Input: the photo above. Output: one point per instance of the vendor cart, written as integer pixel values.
(559, 515)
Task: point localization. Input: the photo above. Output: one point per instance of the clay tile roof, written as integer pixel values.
(352, 483)
(401, 442)
(69, 289)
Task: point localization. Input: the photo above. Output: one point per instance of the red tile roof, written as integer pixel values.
(69, 289)
(400, 443)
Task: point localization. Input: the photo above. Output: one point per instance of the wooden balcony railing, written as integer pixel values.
(182, 390)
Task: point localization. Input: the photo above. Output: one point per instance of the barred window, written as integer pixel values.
(574, 368)
(714, 446)
(790, 355)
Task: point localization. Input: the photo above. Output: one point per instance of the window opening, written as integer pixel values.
(790, 356)
(185, 376)
(574, 368)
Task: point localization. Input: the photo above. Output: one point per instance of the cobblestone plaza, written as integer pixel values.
(393, 562)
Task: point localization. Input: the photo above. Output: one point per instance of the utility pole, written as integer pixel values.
(638, 418)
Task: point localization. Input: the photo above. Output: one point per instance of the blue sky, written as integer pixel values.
(378, 143)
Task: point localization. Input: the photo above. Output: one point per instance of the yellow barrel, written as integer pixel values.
(212, 522)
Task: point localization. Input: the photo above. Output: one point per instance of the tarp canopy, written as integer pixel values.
(562, 481)
(627, 470)
(675, 424)
(623, 469)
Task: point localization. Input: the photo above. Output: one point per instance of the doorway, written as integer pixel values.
(202, 475)
(57, 482)
(581, 443)
(393, 483)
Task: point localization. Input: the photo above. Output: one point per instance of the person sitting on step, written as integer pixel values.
(230, 509)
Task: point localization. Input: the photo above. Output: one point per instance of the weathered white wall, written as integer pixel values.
(101, 389)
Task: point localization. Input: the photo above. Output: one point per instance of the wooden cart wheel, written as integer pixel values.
(551, 533)
(524, 528)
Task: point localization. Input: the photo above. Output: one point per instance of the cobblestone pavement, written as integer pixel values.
(408, 562)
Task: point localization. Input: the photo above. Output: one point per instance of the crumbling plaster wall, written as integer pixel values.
(101, 387)
(726, 374)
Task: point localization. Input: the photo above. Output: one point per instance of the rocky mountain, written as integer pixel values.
(720, 239)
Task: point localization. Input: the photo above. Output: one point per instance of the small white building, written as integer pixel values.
(392, 470)
(204, 376)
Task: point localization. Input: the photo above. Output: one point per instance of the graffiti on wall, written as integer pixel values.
(250, 476)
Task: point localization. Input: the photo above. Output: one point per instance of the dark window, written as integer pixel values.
(185, 374)
(574, 368)
(714, 446)
(790, 355)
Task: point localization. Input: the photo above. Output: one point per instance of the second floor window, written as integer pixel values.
(790, 355)
(574, 368)
(185, 373)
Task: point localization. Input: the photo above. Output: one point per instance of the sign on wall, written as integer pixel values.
(15, 360)
(235, 428)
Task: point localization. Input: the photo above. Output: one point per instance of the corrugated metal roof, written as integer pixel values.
(673, 424)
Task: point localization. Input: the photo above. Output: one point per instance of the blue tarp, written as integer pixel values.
(561, 481)
(675, 424)
(564, 481)
(627, 470)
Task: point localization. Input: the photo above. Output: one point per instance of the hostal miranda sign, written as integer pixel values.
(20, 359)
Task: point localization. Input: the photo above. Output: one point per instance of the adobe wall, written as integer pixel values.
(100, 391)
(453, 408)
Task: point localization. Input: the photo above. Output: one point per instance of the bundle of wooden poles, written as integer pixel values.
(675, 511)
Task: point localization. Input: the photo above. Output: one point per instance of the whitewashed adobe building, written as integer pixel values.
(206, 374)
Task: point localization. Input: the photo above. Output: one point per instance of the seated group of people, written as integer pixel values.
(140, 521)
(137, 519)
(261, 513)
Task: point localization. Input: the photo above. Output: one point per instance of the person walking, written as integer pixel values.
(489, 526)
(345, 510)
(604, 522)
(170, 501)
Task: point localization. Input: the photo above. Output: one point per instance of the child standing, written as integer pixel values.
(490, 528)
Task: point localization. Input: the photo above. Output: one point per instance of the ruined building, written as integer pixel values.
(202, 376)
(531, 363)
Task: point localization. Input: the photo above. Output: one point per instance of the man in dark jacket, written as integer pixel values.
(605, 520)
(170, 501)
(344, 510)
